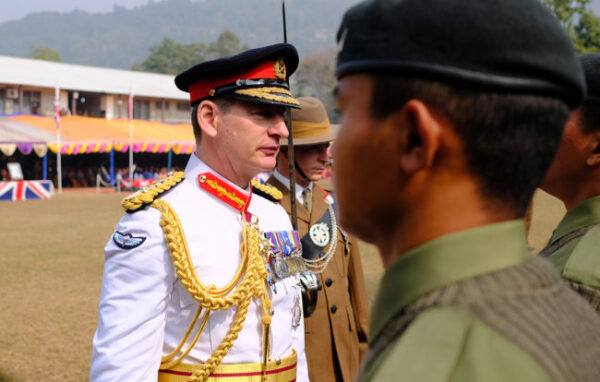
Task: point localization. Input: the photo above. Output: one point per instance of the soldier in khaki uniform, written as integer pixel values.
(336, 332)
(574, 177)
(451, 113)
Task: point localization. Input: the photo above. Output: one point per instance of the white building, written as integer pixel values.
(28, 86)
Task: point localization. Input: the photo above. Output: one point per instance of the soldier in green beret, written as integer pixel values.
(574, 178)
(451, 113)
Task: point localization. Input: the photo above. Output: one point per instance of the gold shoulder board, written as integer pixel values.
(266, 191)
(147, 195)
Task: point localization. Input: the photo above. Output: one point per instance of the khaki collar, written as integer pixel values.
(445, 260)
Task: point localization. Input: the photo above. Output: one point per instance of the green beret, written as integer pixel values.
(514, 46)
(591, 69)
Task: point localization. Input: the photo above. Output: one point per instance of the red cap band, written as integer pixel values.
(201, 89)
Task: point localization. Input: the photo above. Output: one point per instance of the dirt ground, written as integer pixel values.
(51, 260)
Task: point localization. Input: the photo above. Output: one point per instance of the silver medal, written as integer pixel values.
(282, 269)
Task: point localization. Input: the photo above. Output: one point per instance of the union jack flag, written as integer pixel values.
(26, 189)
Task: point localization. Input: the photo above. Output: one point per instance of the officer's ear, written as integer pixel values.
(593, 159)
(208, 115)
(420, 136)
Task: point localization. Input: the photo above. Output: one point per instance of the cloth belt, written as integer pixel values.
(282, 371)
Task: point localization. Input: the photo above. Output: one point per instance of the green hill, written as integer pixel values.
(122, 38)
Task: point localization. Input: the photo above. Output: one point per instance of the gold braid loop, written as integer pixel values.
(147, 195)
(250, 285)
(267, 93)
(267, 189)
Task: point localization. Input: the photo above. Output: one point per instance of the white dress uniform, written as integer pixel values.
(144, 310)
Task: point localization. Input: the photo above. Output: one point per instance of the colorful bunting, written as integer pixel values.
(73, 148)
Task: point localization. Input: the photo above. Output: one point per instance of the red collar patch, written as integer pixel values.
(224, 192)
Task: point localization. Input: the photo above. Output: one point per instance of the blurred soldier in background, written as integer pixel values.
(336, 332)
(574, 178)
(451, 113)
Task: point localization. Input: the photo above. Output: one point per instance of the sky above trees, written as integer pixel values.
(12, 10)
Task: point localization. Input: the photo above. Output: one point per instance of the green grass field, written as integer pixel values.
(51, 259)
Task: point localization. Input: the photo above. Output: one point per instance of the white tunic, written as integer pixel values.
(144, 310)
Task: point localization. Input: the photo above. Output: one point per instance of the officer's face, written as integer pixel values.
(248, 136)
(312, 159)
(366, 162)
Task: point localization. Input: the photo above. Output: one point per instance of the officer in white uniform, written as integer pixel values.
(189, 292)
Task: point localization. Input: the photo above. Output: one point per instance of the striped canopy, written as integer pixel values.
(81, 135)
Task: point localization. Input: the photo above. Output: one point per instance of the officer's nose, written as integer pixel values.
(279, 127)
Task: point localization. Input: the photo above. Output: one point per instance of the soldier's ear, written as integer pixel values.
(421, 136)
(208, 116)
(593, 159)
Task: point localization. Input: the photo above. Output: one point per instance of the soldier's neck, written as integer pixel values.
(435, 213)
(284, 169)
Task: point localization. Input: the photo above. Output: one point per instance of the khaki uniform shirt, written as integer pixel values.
(336, 333)
(446, 342)
(574, 249)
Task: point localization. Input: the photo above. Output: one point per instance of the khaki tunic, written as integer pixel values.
(473, 306)
(574, 249)
(336, 333)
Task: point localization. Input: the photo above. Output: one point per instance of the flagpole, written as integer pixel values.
(58, 151)
(130, 114)
(292, 161)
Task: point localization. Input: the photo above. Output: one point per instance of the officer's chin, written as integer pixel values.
(267, 164)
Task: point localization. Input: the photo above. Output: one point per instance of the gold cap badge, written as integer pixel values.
(279, 69)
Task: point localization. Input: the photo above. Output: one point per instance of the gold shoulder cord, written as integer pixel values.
(252, 285)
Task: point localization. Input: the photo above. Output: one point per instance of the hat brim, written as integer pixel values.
(313, 140)
(272, 95)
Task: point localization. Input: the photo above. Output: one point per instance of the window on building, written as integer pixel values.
(159, 105)
(31, 102)
(141, 109)
(183, 106)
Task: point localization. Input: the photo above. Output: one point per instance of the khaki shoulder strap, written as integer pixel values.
(583, 265)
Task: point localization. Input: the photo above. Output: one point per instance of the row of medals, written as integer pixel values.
(283, 255)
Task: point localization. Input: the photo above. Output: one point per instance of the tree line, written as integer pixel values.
(315, 75)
